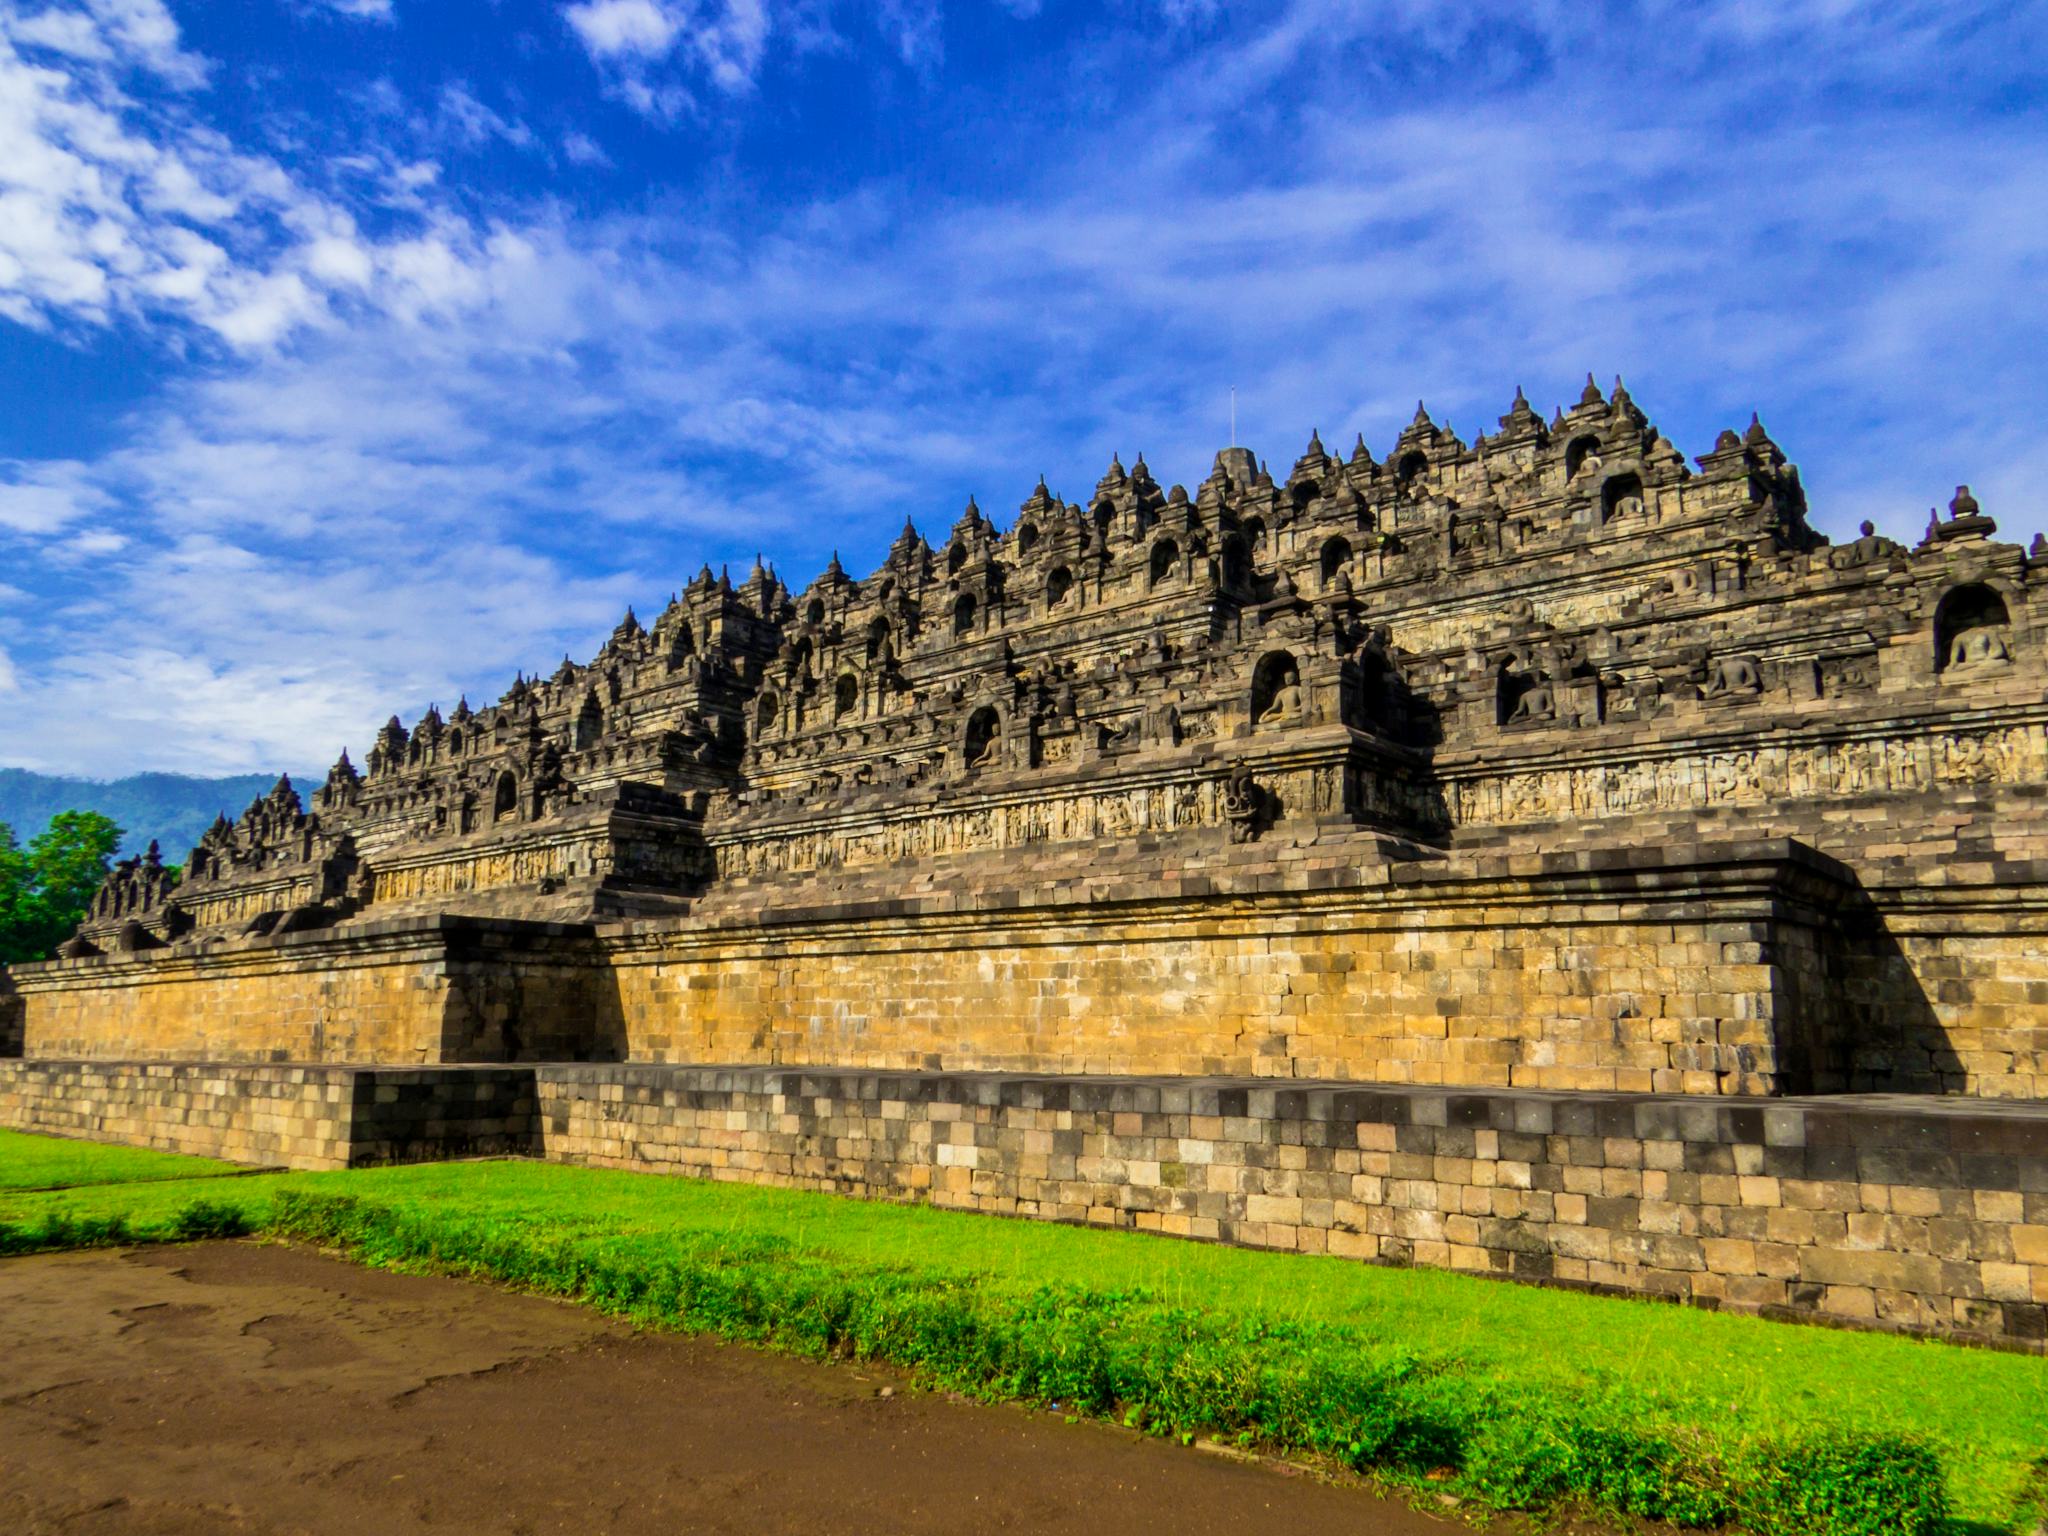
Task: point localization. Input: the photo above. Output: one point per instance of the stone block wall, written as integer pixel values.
(1887, 1212)
(276, 1116)
(1694, 971)
(409, 992)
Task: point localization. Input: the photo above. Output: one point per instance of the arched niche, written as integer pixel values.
(963, 615)
(1517, 694)
(682, 645)
(1972, 630)
(454, 741)
(1027, 538)
(1621, 496)
(1236, 561)
(1411, 466)
(589, 723)
(1058, 583)
(814, 611)
(505, 799)
(878, 638)
(468, 815)
(1336, 555)
(1277, 697)
(1254, 531)
(767, 711)
(981, 746)
(845, 695)
(1165, 560)
(1576, 453)
(956, 556)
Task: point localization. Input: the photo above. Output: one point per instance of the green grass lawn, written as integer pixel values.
(1701, 1379)
(56, 1162)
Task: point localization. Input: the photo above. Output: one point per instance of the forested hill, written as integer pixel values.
(173, 808)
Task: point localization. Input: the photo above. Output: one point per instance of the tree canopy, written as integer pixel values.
(46, 887)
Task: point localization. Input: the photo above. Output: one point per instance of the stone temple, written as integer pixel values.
(1540, 855)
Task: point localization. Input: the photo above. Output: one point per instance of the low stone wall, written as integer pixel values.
(1912, 1213)
(1921, 1214)
(278, 1116)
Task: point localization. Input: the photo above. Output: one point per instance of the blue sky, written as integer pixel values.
(354, 353)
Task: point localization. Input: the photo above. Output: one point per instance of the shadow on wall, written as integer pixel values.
(1865, 1021)
(13, 1018)
(516, 997)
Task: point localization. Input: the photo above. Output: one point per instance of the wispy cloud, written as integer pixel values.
(428, 436)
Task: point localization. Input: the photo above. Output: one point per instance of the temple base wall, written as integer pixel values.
(1751, 970)
(1702, 975)
(419, 991)
(1925, 1215)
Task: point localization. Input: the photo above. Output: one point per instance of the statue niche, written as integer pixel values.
(1165, 557)
(1972, 634)
(1732, 677)
(1523, 698)
(983, 744)
(1621, 496)
(589, 723)
(1277, 696)
(1336, 557)
(505, 803)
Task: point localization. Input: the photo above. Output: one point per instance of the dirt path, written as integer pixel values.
(234, 1388)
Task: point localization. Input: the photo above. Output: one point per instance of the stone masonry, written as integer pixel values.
(1544, 763)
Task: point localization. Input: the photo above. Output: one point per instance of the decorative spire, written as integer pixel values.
(1421, 422)
(1140, 470)
(1315, 444)
(1360, 454)
(834, 569)
(1756, 433)
(1590, 395)
(1963, 504)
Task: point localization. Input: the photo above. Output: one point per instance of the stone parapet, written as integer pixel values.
(1887, 1211)
(1918, 1214)
(297, 1116)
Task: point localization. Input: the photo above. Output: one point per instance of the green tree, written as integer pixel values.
(46, 887)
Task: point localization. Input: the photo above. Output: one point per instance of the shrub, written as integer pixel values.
(1845, 1483)
(204, 1219)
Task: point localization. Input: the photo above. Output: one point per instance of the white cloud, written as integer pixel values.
(527, 421)
(474, 124)
(630, 28)
(42, 498)
(361, 10)
(580, 149)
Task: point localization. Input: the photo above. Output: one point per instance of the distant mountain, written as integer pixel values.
(172, 808)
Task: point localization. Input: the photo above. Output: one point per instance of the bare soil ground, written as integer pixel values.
(231, 1387)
